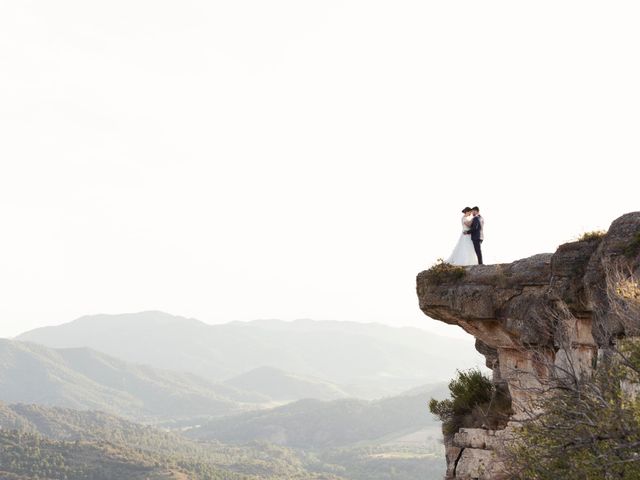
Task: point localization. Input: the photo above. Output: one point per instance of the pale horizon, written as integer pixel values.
(453, 332)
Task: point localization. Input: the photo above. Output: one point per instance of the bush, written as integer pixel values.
(443, 272)
(592, 236)
(475, 402)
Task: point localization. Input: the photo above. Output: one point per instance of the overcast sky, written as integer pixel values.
(241, 159)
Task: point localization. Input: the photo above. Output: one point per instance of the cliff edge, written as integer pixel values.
(531, 317)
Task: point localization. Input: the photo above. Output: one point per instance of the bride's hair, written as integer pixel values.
(466, 209)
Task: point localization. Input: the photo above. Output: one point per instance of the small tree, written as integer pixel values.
(474, 402)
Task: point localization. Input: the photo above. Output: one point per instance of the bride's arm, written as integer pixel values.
(467, 223)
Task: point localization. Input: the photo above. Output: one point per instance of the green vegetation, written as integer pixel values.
(474, 402)
(31, 456)
(84, 444)
(589, 428)
(34, 457)
(443, 272)
(594, 235)
(148, 454)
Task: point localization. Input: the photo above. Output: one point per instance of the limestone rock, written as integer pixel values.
(452, 454)
(476, 463)
(531, 318)
(471, 438)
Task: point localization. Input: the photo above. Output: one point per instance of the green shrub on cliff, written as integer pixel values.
(474, 402)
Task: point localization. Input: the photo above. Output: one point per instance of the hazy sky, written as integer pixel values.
(246, 159)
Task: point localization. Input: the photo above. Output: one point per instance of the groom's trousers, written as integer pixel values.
(476, 246)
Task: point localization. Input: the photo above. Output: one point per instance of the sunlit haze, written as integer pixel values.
(245, 159)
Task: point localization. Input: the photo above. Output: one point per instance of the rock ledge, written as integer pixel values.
(520, 314)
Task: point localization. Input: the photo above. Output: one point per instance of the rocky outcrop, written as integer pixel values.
(531, 318)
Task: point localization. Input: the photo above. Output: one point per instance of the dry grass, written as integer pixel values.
(443, 272)
(592, 236)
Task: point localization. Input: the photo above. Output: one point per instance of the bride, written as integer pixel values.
(464, 253)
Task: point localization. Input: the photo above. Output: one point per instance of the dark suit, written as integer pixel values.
(476, 236)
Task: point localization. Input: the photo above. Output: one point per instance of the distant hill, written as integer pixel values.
(282, 386)
(366, 360)
(312, 424)
(90, 425)
(81, 378)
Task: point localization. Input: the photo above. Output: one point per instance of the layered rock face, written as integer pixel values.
(532, 319)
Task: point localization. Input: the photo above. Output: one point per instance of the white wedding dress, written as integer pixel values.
(463, 253)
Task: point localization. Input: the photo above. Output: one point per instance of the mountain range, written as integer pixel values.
(253, 400)
(84, 379)
(362, 360)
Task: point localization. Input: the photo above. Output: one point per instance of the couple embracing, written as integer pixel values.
(468, 249)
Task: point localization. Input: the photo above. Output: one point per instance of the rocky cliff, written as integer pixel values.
(531, 319)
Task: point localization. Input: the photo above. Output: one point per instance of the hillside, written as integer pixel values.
(25, 456)
(59, 441)
(81, 378)
(321, 424)
(366, 360)
(282, 386)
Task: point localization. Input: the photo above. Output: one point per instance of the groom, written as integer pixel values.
(476, 232)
